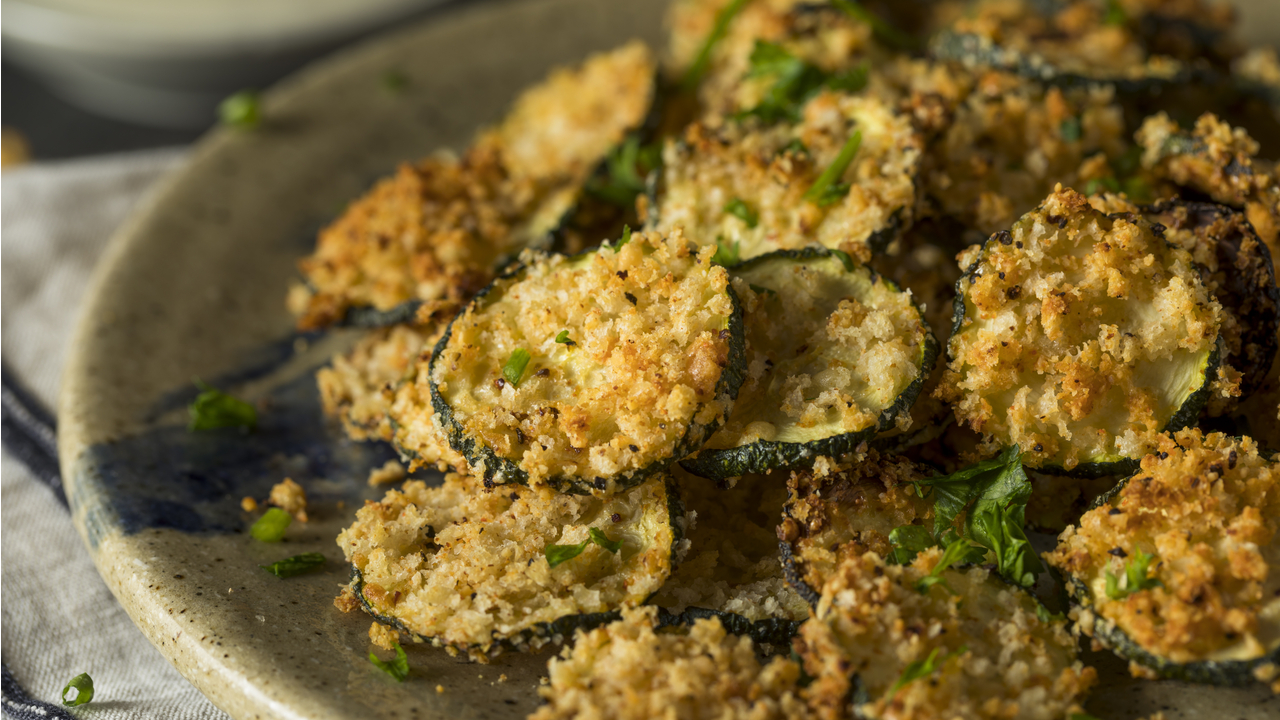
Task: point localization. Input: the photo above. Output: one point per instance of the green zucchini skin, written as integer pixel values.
(794, 575)
(500, 471)
(371, 317)
(774, 631)
(563, 627)
(1187, 414)
(762, 456)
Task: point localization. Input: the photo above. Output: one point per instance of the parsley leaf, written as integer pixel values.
(1071, 130)
(514, 369)
(1115, 14)
(821, 192)
(213, 409)
(924, 668)
(908, 541)
(727, 255)
(398, 668)
(623, 176)
(563, 338)
(794, 82)
(1109, 184)
(957, 551)
(271, 526)
(296, 565)
(83, 685)
(1135, 571)
(557, 554)
(1044, 615)
(240, 110)
(703, 60)
(739, 209)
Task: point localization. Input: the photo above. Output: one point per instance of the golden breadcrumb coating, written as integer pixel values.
(1207, 507)
(628, 669)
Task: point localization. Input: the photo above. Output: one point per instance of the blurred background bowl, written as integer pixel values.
(170, 62)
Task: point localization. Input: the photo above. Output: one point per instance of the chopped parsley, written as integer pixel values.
(827, 189)
(956, 551)
(213, 409)
(727, 255)
(82, 684)
(739, 209)
(514, 369)
(703, 59)
(794, 82)
(923, 668)
(625, 169)
(1071, 130)
(1109, 184)
(1115, 14)
(1135, 576)
(907, 542)
(844, 259)
(884, 30)
(394, 81)
(563, 339)
(1044, 615)
(626, 238)
(296, 565)
(398, 668)
(271, 526)
(557, 554)
(241, 110)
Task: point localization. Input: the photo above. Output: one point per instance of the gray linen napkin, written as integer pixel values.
(59, 618)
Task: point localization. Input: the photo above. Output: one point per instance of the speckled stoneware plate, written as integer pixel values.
(194, 286)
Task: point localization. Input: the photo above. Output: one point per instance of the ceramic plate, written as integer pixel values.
(194, 287)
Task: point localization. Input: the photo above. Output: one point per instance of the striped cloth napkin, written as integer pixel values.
(59, 618)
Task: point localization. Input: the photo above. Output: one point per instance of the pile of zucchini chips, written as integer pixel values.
(752, 363)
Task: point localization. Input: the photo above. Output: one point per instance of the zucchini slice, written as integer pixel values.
(970, 646)
(636, 668)
(1176, 569)
(359, 387)
(467, 567)
(754, 189)
(438, 229)
(835, 354)
(732, 569)
(1080, 337)
(830, 518)
(632, 356)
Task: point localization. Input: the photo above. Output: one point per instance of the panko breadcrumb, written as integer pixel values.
(993, 657)
(1207, 507)
(291, 498)
(628, 669)
(463, 566)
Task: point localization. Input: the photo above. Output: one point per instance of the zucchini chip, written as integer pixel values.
(753, 189)
(359, 386)
(588, 374)
(732, 569)
(835, 354)
(967, 646)
(470, 568)
(1176, 570)
(830, 518)
(1080, 337)
(437, 229)
(634, 668)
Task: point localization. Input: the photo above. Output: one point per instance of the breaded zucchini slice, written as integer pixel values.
(1080, 337)
(1177, 570)
(835, 354)
(436, 229)
(830, 518)
(359, 387)
(591, 373)
(467, 567)
(970, 646)
(751, 188)
(633, 668)
(1010, 141)
(732, 569)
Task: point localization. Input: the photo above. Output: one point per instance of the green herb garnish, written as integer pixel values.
(1115, 14)
(908, 541)
(394, 81)
(739, 209)
(514, 369)
(887, 32)
(557, 554)
(296, 565)
(761, 290)
(1043, 614)
(956, 551)
(563, 338)
(703, 60)
(213, 409)
(626, 238)
(398, 668)
(241, 110)
(83, 686)
(271, 526)
(845, 260)
(1109, 184)
(1071, 130)
(625, 169)
(794, 82)
(923, 668)
(1135, 571)
(727, 255)
(827, 188)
